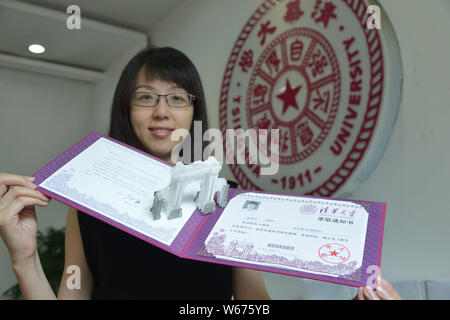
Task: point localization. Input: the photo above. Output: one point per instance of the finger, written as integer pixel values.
(15, 192)
(18, 205)
(382, 294)
(21, 202)
(360, 293)
(370, 294)
(385, 290)
(7, 179)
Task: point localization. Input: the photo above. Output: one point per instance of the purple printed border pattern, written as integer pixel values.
(372, 247)
(80, 146)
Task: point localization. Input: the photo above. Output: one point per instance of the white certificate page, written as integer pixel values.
(119, 183)
(318, 236)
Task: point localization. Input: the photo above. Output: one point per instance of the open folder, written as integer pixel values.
(333, 240)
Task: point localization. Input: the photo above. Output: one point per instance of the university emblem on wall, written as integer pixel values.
(315, 71)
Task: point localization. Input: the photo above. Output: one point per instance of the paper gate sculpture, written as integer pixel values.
(168, 200)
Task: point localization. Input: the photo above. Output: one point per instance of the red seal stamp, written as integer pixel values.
(334, 253)
(312, 70)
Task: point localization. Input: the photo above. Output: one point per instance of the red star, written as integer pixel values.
(333, 253)
(288, 96)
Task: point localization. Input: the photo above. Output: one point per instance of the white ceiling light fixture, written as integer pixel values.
(36, 48)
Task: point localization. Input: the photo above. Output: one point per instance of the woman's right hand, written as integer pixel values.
(18, 223)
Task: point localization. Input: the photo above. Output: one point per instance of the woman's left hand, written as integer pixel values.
(384, 291)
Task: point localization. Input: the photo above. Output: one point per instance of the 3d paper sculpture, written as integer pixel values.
(168, 200)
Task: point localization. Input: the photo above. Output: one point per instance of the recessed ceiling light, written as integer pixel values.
(36, 48)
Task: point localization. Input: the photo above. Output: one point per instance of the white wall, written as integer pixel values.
(40, 116)
(104, 90)
(413, 175)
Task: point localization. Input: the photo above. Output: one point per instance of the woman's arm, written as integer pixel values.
(74, 256)
(33, 282)
(18, 229)
(249, 285)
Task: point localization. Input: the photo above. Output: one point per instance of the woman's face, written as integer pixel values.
(154, 125)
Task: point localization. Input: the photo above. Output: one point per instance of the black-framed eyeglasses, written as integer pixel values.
(150, 99)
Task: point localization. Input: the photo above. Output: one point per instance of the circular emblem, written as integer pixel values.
(308, 209)
(291, 86)
(313, 71)
(334, 253)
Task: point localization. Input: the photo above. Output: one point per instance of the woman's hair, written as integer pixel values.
(166, 64)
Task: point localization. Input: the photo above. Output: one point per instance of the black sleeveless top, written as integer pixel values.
(126, 267)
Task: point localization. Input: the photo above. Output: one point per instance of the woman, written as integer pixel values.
(159, 91)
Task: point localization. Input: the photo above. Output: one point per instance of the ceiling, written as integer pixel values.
(109, 30)
(139, 15)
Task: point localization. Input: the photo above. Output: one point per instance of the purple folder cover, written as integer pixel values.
(190, 242)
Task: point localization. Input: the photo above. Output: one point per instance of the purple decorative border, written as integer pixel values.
(189, 243)
(216, 246)
(59, 182)
(372, 247)
(56, 164)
